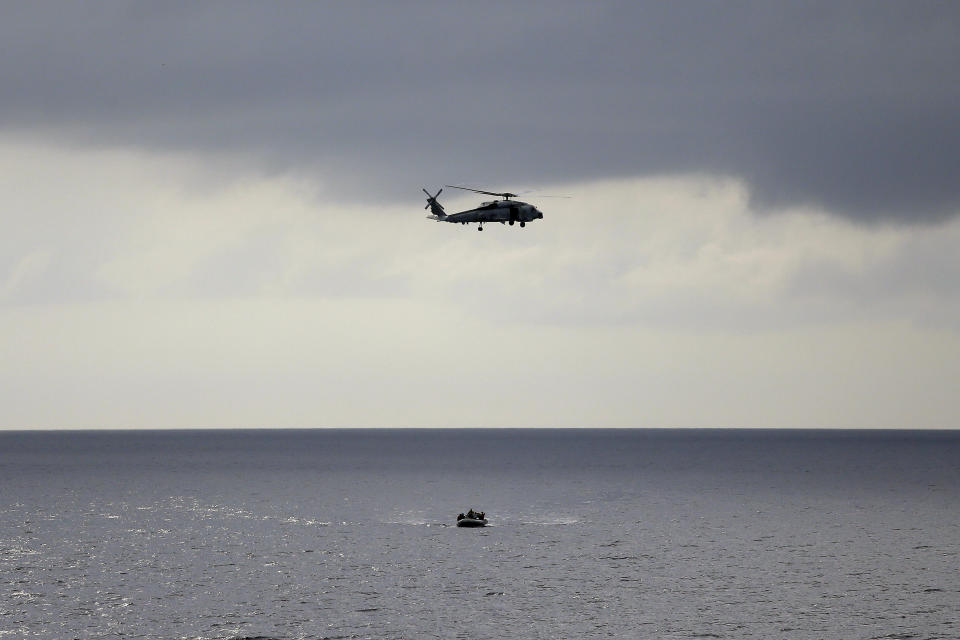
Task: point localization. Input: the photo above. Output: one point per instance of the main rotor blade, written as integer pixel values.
(534, 194)
(489, 193)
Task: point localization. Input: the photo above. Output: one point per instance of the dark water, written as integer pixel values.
(345, 534)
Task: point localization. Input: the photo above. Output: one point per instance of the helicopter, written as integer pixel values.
(502, 211)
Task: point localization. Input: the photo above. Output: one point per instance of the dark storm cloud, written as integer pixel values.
(852, 107)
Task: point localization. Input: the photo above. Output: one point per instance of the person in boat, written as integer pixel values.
(482, 515)
(471, 514)
(460, 517)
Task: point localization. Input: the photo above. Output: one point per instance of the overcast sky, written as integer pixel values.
(212, 214)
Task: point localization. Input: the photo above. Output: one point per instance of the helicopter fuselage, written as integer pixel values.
(503, 211)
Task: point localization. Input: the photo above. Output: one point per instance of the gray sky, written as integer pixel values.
(212, 214)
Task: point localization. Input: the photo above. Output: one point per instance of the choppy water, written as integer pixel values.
(345, 534)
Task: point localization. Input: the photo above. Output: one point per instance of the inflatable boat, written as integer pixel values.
(472, 522)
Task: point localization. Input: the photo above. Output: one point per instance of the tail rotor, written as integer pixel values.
(435, 207)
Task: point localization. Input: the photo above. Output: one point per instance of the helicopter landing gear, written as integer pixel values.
(511, 223)
(522, 223)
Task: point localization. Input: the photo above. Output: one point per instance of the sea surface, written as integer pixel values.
(594, 534)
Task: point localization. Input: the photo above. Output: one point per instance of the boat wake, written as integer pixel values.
(552, 521)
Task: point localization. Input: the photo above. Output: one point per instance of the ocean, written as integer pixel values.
(284, 534)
